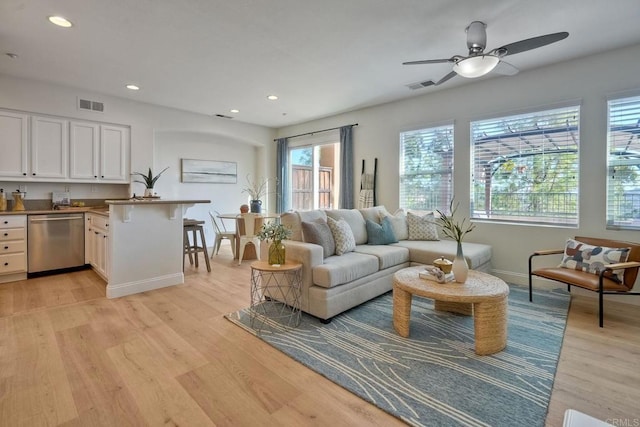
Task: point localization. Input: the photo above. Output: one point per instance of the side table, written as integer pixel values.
(275, 294)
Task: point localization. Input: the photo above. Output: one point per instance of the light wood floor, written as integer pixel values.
(69, 356)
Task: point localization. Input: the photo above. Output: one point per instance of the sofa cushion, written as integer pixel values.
(355, 220)
(374, 213)
(593, 259)
(342, 235)
(293, 221)
(318, 232)
(380, 234)
(422, 227)
(388, 255)
(399, 223)
(337, 270)
(425, 252)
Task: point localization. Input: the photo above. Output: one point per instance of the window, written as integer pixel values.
(623, 161)
(525, 167)
(315, 176)
(426, 168)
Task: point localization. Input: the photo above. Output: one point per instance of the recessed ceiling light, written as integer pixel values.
(272, 97)
(60, 21)
(133, 87)
(234, 111)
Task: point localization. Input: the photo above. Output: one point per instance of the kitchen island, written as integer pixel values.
(145, 244)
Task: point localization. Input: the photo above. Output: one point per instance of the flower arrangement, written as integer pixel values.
(149, 180)
(450, 227)
(274, 232)
(255, 189)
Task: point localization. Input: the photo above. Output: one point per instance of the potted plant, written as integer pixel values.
(275, 232)
(256, 190)
(456, 230)
(149, 181)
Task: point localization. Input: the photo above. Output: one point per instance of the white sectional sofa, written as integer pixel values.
(335, 283)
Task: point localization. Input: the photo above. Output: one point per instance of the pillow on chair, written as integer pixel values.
(593, 259)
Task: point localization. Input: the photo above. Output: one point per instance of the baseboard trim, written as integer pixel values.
(128, 288)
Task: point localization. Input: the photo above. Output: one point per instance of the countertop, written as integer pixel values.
(92, 209)
(154, 202)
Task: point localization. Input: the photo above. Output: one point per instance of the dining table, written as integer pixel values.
(250, 252)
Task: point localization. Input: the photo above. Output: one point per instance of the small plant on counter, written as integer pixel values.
(148, 180)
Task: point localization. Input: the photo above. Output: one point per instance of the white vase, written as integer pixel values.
(460, 268)
(148, 192)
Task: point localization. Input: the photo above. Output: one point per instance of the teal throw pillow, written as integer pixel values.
(380, 234)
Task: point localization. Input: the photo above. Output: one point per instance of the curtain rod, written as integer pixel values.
(317, 131)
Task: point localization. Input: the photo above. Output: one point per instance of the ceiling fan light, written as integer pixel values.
(475, 66)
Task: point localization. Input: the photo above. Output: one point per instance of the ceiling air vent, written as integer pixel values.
(222, 116)
(420, 85)
(87, 105)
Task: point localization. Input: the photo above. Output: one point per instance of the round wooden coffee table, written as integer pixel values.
(484, 296)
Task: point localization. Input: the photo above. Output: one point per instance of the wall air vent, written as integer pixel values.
(222, 116)
(87, 105)
(420, 85)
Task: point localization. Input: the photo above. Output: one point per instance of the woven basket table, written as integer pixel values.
(483, 296)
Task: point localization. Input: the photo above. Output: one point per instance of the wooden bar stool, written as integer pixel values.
(192, 249)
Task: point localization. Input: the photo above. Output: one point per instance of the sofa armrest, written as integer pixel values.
(309, 255)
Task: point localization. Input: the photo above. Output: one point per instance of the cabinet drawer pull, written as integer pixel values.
(6, 247)
(6, 263)
(6, 234)
(6, 222)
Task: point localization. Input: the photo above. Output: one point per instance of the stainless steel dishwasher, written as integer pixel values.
(55, 241)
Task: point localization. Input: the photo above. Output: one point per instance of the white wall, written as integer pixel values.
(227, 139)
(589, 80)
(225, 198)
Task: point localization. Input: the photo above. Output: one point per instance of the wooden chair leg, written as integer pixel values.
(204, 250)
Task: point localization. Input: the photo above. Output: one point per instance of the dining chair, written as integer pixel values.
(250, 233)
(221, 233)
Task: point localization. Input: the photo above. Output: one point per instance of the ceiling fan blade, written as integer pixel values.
(429, 61)
(532, 43)
(446, 78)
(506, 69)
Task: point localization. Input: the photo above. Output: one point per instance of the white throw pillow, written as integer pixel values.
(342, 234)
(398, 223)
(422, 227)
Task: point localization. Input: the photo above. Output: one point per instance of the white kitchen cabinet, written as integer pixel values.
(14, 135)
(84, 150)
(49, 145)
(98, 241)
(88, 232)
(114, 153)
(13, 248)
(99, 153)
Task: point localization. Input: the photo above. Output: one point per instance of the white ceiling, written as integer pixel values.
(320, 57)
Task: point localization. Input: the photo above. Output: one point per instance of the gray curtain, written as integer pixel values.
(346, 162)
(282, 171)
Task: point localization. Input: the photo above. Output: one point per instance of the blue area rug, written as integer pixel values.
(434, 378)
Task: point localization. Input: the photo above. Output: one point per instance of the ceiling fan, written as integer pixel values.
(478, 63)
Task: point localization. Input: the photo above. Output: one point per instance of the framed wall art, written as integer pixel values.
(209, 171)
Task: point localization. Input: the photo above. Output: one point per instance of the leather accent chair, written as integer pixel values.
(601, 284)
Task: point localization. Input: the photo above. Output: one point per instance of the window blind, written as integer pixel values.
(426, 168)
(623, 161)
(525, 167)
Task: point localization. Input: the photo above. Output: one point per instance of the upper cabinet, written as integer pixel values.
(114, 153)
(14, 128)
(99, 152)
(56, 149)
(49, 147)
